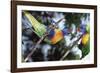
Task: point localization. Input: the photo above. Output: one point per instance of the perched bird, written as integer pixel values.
(55, 34)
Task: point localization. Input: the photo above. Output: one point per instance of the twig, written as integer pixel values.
(68, 51)
(59, 21)
(65, 55)
(30, 54)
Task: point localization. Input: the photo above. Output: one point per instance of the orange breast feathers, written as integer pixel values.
(57, 36)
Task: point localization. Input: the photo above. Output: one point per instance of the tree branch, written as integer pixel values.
(68, 51)
(30, 54)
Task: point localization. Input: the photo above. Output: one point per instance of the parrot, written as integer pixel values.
(51, 34)
(54, 36)
(84, 43)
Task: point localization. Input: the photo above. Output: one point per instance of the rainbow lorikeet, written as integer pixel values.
(55, 35)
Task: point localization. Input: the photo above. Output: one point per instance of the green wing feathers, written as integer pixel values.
(39, 28)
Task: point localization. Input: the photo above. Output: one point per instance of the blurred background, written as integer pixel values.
(70, 25)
